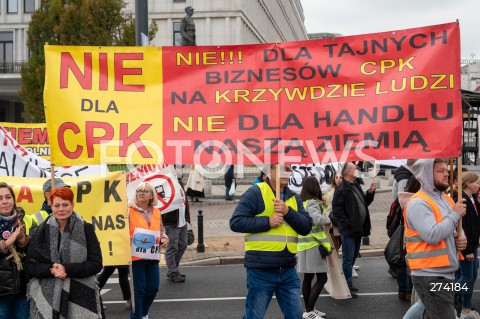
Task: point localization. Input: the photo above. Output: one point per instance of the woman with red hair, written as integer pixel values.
(63, 257)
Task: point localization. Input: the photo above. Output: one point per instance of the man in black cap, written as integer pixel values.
(46, 210)
(187, 28)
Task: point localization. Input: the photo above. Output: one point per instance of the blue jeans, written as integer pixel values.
(14, 307)
(415, 311)
(261, 285)
(404, 281)
(466, 276)
(146, 281)
(350, 250)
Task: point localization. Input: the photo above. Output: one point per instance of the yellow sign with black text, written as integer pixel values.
(104, 104)
(101, 201)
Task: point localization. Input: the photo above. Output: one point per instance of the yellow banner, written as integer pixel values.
(32, 136)
(101, 201)
(120, 88)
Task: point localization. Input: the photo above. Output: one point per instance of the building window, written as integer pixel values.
(28, 6)
(177, 36)
(12, 6)
(6, 46)
(179, 0)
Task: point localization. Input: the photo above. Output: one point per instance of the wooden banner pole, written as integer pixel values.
(459, 190)
(451, 177)
(132, 298)
(52, 175)
(277, 183)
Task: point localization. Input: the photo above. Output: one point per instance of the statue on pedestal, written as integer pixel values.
(187, 28)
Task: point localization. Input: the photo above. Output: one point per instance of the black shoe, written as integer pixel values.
(169, 275)
(177, 277)
(353, 289)
(392, 272)
(353, 294)
(457, 304)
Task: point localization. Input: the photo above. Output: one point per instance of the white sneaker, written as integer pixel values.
(354, 273)
(311, 315)
(319, 313)
(470, 315)
(145, 317)
(356, 267)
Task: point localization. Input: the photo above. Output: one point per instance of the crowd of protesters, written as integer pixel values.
(51, 262)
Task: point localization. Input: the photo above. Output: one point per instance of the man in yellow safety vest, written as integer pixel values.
(271, 228)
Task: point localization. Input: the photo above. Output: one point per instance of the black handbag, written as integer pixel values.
(394, 252)
(324, 252)
(190, 234)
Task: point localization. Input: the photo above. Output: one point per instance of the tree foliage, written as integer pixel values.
(71, 22)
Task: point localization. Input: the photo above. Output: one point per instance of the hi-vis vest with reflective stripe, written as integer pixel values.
(315, 238)
(40, 216)
(276, 238)
(137, 220)
(28, 221)
(421, 254)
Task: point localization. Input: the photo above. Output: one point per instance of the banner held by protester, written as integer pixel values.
(99, 200)
(374, 96)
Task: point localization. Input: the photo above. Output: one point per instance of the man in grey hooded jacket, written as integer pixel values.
(432, 247)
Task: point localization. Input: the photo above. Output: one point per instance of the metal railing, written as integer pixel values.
(11, 66)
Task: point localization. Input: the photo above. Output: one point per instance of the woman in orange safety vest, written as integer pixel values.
(147, 237)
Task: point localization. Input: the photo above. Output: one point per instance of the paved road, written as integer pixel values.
(219, 292)
(216, 226)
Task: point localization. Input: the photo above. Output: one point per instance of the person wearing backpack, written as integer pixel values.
(401, 176)
(404, 281)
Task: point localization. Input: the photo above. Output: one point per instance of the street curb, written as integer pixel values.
(215, 200)
(371, 252)
(235, 260)
(215, 261)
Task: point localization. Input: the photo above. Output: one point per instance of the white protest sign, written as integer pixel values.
(164, 181)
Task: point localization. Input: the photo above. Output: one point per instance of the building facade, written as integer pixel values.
(14, 18)
(228, 22)
(217, 22)
(471, 76)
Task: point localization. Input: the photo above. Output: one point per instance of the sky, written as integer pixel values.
(352, 17)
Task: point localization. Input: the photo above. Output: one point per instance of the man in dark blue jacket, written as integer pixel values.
(271, 227)
(350, 210)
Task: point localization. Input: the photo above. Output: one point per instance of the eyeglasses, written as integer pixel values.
(143, 191)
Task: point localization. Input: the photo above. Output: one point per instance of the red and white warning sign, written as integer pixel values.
(164, 182)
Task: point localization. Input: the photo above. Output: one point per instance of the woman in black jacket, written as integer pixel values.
(467, 273)
(63, 257)
(13, 241)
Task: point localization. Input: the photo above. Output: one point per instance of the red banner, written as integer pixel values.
(384, 96)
